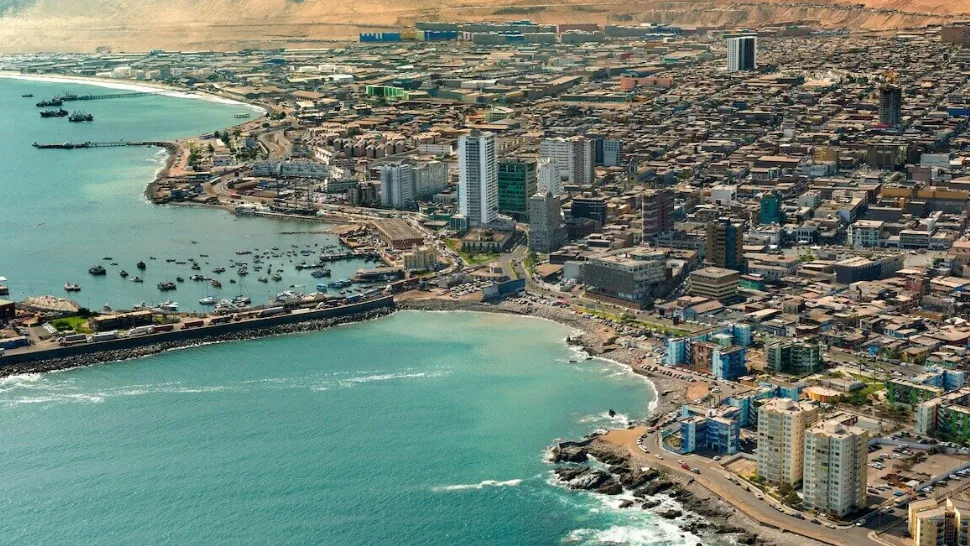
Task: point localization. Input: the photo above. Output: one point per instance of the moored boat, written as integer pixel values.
(97, 270)
(72, 287)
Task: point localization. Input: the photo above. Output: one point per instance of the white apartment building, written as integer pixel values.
(573, 157)
(781, 439)
(478, 178)
(835, 466)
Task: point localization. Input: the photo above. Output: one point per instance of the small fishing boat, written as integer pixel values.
(216, 283)
(137, 279)
(97, 270)
(140, 265)
(123, 273)
(72, 287)
(208, 300)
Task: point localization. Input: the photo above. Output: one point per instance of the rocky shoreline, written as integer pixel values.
(102, 357)
(700, 513)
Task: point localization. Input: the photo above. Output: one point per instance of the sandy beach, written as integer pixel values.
(139, 87)
(593, 337)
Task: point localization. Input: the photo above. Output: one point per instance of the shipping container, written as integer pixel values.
(164, 327)
(220, 320)
(141, 330)
(192, 324)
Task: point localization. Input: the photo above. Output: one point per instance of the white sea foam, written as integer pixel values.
(352, 381)
(629, 535)
(54, 399)
(617, 420)
(479, 485)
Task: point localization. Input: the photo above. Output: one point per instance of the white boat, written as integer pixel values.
(106, 308)
(72, 287)
(169, 305)
(208, 300)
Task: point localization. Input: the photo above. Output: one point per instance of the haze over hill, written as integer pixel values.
(140, 25)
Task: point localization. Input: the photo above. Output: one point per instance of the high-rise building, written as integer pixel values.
(547, 176)
(478, 178)
(933, 523)
(781, 439)
(770, 209)
(835, 466)
(516, 184)
(725, 244)
(546, 231)
(742, 52)
(397, 185)
(890, 106)
(658, 213)
(573, 157)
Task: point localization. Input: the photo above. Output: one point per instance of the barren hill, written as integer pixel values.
(140, 25)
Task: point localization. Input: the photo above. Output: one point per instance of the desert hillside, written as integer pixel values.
(139, 25)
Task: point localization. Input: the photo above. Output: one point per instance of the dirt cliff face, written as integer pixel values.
(141, 25)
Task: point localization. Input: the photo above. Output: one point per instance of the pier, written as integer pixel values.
(71, 97)
(74, 145)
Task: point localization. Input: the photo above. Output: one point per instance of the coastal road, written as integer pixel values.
(713, 477)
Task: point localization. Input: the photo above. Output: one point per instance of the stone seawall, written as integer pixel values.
(61, 358)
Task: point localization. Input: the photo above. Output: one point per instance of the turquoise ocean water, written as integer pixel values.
(418, 428)
(62, 211)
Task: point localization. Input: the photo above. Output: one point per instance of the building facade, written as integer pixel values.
(658, 212)
(713, 282)
(517, 182)
(397, 186)
(478, 178)
(742, 52)
(573, 157)
(630, 277)
(781, 439)
(890, 106)
(725, 244)
(546, 230)
(835, 466)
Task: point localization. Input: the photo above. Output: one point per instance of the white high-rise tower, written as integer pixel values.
(478, 178)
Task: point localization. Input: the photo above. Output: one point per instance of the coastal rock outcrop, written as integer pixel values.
(570, 454)
(589, 479)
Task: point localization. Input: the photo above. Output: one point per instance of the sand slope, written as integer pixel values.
(140, 25)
